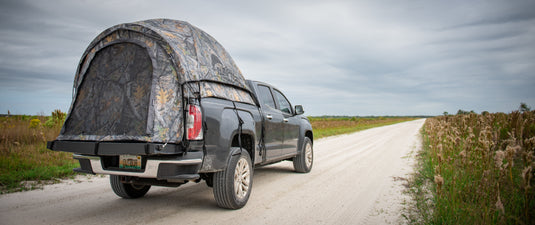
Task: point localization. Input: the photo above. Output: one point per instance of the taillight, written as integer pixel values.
(194, 123)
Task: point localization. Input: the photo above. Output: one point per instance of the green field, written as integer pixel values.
(329, 126)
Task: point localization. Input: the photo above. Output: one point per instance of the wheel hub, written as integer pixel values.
(242, 177)
(308, 155)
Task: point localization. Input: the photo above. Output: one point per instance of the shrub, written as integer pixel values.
(56, 120)
(35, 123)
(524, 107)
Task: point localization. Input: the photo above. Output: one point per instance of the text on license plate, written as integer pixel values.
(130, 161)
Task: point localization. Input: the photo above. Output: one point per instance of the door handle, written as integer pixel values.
(286, 120)
(269, 117)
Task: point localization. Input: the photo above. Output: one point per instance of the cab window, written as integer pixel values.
(265, 96)
(284, 104)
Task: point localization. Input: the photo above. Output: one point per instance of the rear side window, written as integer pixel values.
(265, 96)
(283, 102)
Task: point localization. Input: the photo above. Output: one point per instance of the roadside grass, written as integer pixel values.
(475, 169)
(329, 126)
(25, 162)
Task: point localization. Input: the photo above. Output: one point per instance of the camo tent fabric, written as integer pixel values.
(133, 78)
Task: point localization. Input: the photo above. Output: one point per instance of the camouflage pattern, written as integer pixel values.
(133, 78)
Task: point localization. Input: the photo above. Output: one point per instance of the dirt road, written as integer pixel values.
(355, 180)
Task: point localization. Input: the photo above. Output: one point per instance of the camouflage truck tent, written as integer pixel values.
(134, 78)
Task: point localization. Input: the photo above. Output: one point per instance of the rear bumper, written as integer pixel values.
(167, 162)
(173, 170)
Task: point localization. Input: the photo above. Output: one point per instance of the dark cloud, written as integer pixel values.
(501, 12)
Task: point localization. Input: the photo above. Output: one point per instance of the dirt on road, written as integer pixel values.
(356, 179)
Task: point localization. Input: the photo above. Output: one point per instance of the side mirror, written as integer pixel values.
(299, 110)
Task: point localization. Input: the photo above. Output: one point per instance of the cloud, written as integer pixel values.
(335, 58)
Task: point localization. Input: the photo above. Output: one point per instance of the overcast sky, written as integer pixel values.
(334, 57)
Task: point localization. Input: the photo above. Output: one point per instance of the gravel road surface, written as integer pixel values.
(356, 179)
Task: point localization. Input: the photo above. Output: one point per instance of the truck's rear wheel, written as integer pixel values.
(304, 161)
(127, 190)
(232, 186)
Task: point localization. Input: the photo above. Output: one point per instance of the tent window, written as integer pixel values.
(113, 98)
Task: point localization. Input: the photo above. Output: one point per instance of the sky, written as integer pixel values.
(355, 58)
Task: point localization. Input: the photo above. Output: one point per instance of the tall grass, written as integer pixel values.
(329, 126)
(479, 169)
(23, 153)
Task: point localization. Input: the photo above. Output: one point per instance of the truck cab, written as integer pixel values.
(284, 126)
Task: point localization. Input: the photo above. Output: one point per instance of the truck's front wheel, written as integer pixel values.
(124, 190)
(303, 162)
(232, 186)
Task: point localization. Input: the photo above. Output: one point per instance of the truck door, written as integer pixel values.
(290, 123)
(274, 127)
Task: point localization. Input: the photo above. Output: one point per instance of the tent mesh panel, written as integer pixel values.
(114, 96)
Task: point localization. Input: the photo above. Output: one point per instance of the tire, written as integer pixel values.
(232, 187)
(304, 161)
(127, 190)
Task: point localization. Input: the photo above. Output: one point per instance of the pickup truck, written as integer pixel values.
(160, 102)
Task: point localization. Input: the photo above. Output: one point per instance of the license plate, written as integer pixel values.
(130, 162)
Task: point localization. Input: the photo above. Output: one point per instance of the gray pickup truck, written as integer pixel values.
(160, 102)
